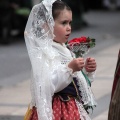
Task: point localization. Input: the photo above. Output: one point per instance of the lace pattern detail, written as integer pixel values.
(86, 93)
(83, 113)
(39, 37)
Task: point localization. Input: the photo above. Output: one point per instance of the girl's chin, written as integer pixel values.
(65, 40)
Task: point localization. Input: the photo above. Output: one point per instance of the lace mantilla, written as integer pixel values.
(44, 59)
(39, 37)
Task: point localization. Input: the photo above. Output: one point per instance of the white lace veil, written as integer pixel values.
(39, 37)
(44, 60)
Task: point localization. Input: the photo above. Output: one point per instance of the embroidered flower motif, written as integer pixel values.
(80, 46)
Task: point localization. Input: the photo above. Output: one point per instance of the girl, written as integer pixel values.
(59, 89)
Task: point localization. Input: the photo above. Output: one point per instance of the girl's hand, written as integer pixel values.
(90, 65)
(76, 64)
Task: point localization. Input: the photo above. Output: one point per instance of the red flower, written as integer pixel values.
(80, 45)
(78, 40)
(83, 39)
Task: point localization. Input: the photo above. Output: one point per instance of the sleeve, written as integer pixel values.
(90, 75)
(62, 77)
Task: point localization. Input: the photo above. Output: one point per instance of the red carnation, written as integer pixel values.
(81, 45)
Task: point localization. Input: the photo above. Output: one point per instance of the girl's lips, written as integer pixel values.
(67, 36)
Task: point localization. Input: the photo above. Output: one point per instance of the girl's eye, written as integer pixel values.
(64, 23)
(70, 23)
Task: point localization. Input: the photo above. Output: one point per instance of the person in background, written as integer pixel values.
(114, 107)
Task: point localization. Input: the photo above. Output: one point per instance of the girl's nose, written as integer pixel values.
(69, 27)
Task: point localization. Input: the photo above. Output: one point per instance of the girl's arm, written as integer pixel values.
(90, 75)
(90, 68)
(62, 77)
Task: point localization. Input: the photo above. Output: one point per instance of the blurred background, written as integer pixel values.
(14, 14)
(99, 19)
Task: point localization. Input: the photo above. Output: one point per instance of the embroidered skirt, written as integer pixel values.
(62, 110)
(65, 110)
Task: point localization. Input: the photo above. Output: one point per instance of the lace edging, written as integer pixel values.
(82, 112)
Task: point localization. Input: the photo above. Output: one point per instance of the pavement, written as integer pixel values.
(105, 27)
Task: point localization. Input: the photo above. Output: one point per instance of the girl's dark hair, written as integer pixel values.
(57, 7)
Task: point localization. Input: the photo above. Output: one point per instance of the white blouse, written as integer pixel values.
(63, 76)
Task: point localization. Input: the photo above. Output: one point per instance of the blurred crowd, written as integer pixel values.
(14, 14)
(13, 17)
(108, 4)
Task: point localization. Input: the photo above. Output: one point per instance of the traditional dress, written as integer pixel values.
(57, 92)
(67, 102)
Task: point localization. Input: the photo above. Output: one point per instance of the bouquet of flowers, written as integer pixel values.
(80, 46)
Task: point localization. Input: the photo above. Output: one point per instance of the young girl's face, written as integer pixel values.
(62, 28)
